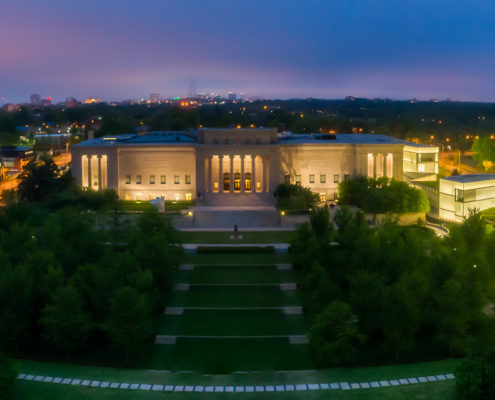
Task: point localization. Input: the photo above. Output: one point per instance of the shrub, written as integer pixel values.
(475, 378)
(8, 374)
(295, 199)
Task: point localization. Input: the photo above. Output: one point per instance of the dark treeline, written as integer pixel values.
(391, 293)
(78, 278)
(405, 119)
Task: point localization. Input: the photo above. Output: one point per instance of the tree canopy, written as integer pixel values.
(295, 199)
(382, 195)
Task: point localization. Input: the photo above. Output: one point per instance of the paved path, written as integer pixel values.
(238, 389)
(279, 247)
(241, 229)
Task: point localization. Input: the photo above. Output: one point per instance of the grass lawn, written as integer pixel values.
(235, 274)
(258, 296)
(231, 323)
(247, 237)
(47, 391)
(127, 205)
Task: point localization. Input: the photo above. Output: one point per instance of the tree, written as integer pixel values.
(484, 153)
(475, 377)
(334, 334)
(129, 320)
(295, 199)
(39, 179)
(8, 374)
(64, 320)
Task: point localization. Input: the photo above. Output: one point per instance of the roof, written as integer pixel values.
(346, 138)
(470, 178)
(170, 137)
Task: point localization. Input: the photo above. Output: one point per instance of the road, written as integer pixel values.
(450, 161)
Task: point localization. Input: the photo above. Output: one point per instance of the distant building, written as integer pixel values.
(231, 96)
(71, 102)
(35, 99)
(91, 100)
(155, 98)
(15, 157)
(9, 107)
(46, 102)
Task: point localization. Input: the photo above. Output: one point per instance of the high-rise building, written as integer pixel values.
(231, 96)
(35, 99)
(155, 98)
(46, 102)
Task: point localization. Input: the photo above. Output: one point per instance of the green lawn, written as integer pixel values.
(258, 296)
(127, 205)
(235, 274)
(231, 323)
(247, 237)
(47, 391)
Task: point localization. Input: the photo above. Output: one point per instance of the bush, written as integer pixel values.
(235, 249)
(8, 374)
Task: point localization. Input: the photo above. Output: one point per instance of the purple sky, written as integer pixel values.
(118, 49)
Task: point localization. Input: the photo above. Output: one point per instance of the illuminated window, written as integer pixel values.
(226, 181)
(335, 178)
(286, 178)
(176, 179)
(95, 180)
(138, 179)
(323, 178)
(188, 196)
(188, 179)
(152, 179)
(323, 197)
(298, 179)
(312, 178)
(371, 165)
(163, 179)
(247, 181)
(127, 179)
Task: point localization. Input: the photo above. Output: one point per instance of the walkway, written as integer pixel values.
(279, 247)
(237, 389)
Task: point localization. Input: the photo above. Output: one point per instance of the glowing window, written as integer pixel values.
(323, 178)
(312, 178)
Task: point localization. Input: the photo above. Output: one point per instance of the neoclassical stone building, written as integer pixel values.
(242, 167)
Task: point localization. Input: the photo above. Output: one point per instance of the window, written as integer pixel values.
(298, 179)
(247, 181)
(323, 197)
(95, 180)
(323, 178)
(188, 179)
(226, 181)
(335, 178)
(312, 178)
(138, 179)
(286, 178)
(176, 179)
(188, 196)
(347, 177)
(152, 179)
(127, 179)
(163, 179)
(237, 181)
(459, 195)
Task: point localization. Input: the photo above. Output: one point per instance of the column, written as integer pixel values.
(100, 175)
(231, 175)
(265, 173)
(374, 166)
(220, 174)
(242, 173)
(90, 178)
(210, 173)
(253, 173)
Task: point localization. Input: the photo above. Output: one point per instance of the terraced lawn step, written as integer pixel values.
(236, 296)
(231, 323)
(220, 356)
(220, 274)
(296, 310)
(172, 339)
(282, 286)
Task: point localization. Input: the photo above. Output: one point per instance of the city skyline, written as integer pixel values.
(277, 49)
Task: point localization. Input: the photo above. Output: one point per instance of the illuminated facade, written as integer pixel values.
(242, 167)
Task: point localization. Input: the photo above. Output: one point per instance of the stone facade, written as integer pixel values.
(240, 167)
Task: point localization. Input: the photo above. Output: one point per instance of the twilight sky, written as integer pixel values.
(119, 49)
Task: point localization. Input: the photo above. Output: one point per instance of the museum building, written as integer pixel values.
(242, 167)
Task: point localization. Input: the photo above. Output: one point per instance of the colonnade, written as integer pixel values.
(94, 169)
(380, 165)
(234, 174)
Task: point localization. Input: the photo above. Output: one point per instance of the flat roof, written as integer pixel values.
(470, 178)
(191, 137)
